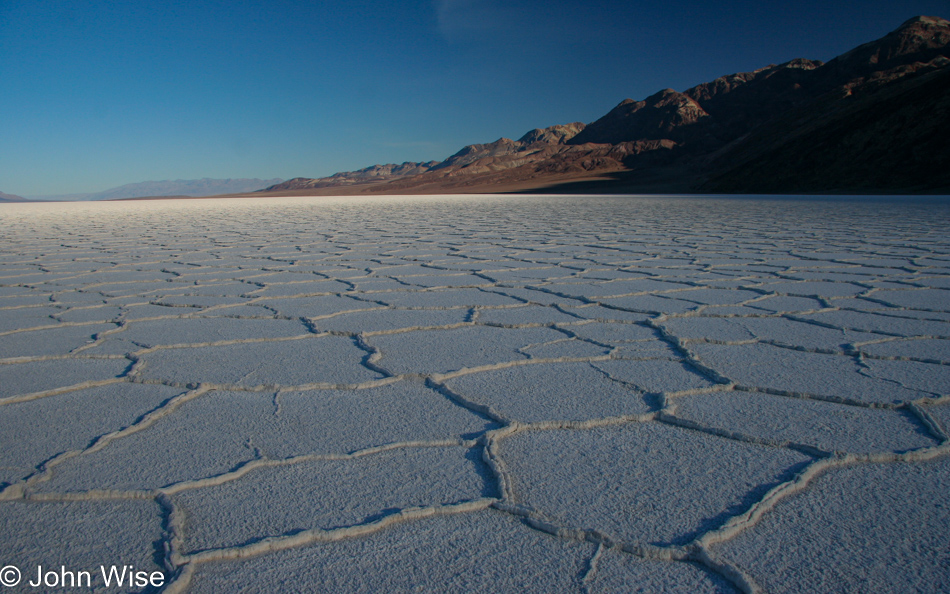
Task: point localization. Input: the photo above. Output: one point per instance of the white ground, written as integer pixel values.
(478, 394)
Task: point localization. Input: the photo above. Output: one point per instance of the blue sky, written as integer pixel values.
(97, 94)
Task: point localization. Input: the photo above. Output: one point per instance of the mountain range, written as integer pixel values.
(178, 187)
(873, 120)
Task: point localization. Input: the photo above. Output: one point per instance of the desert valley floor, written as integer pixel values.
(477, 394)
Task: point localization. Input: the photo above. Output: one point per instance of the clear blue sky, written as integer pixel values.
(99, 93)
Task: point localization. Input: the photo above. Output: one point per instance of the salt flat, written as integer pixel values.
(478, 394)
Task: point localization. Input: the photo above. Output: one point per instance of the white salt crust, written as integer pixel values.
(479, 393)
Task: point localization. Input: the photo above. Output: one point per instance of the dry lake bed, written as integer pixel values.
(476, 394)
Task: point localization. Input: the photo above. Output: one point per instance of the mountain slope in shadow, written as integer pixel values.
(873, 120)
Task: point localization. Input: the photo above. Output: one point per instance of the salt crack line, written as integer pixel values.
(72, 355)
(279, 388)
(848, 351)
(61, 390)
(479, 409)
(495, 463)
(54, 326)
(806, 449)
(672, 553)
(818, 397)
(217, 343)
(932, 425)
(588, 423)
(233, 475)
(443, 377)
(797, 484)
(252, 465)
(313, 536)
(740, 579)
(17, 490)
(30, 306)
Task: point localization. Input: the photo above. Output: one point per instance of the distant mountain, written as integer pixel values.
(11, 198)
(178, 187)
(875, 119)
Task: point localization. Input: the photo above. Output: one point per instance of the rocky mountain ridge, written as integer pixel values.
(874, 119)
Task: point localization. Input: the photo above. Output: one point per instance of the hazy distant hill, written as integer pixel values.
(178, 187)
(875, 119)
(11, 198)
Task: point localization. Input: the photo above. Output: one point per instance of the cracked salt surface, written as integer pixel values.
(479, 393)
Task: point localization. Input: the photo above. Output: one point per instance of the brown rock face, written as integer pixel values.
(554, 135)
(371, 174)
(920, 39)
(659, 116)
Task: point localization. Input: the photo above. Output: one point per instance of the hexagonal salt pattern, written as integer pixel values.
(478, 394)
